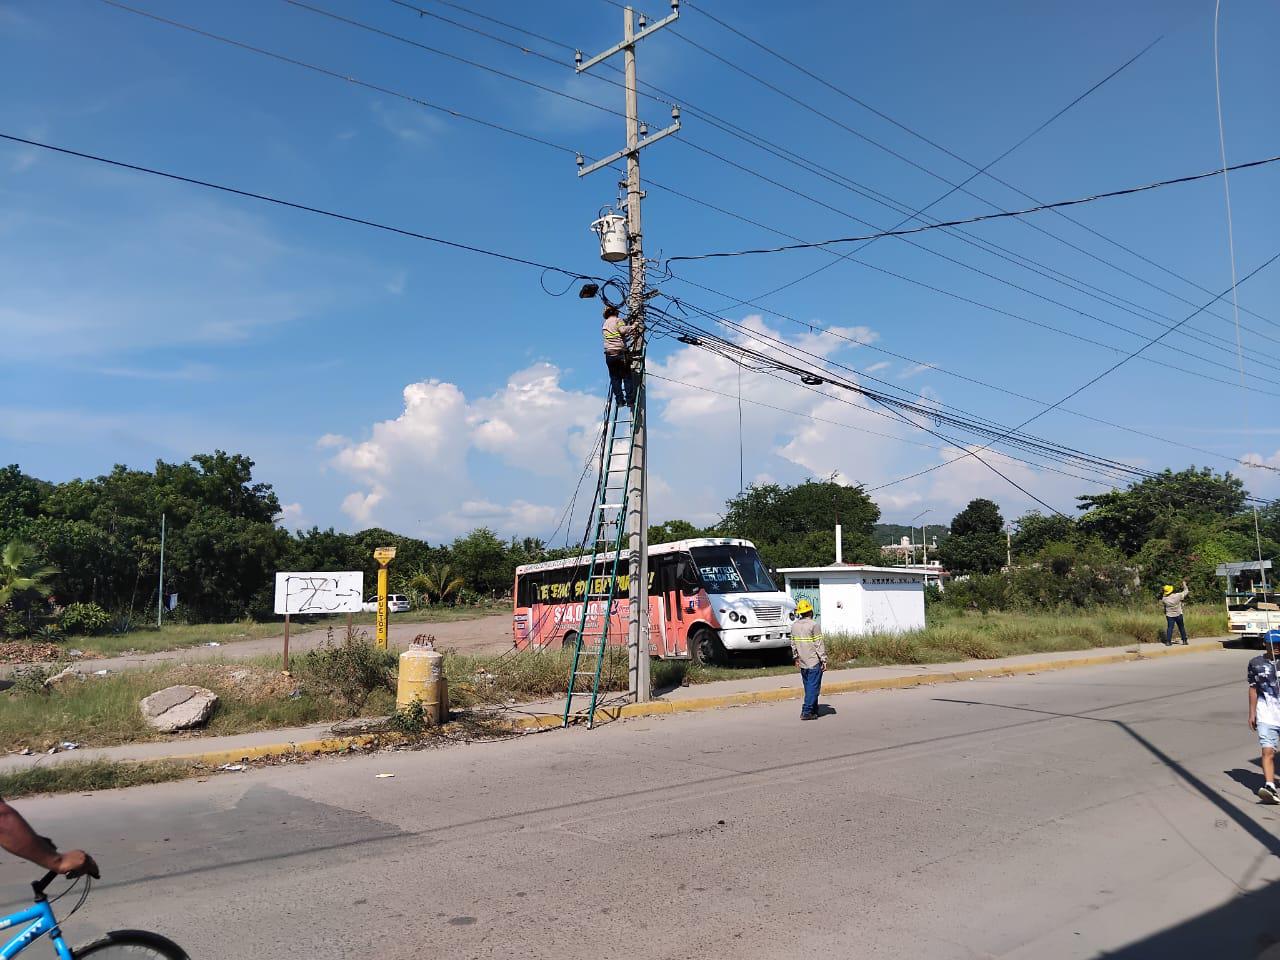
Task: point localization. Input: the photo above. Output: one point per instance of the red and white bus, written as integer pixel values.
(707, 596)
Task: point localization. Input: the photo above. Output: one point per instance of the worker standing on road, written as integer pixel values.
(1264, 713)
(617, 355)
(810, 655)
(1173, 613)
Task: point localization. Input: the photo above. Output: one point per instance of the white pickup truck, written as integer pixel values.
(1251, 615)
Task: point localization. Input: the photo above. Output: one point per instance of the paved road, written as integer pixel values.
(491, 634)
(1097, 811)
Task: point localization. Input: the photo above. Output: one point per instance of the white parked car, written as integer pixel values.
(396, 603)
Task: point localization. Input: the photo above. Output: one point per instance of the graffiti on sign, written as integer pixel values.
(317, 593)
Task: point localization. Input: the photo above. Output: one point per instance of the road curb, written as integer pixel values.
(660, 707)
(332, 745)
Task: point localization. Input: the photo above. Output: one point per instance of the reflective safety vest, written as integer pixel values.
(617, 333)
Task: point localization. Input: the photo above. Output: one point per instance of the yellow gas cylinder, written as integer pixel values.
(421, 678)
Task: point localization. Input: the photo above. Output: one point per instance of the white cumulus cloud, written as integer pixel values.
(416, 472)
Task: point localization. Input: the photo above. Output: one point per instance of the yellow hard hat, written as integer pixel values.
(1168, 589)
(803, 607)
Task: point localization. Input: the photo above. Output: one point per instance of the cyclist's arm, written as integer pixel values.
(18, 838)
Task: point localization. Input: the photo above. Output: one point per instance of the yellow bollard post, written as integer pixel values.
(421, 678)
(383, 555)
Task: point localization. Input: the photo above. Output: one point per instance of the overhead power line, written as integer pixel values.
(1017, 259)
(894, 405)
(294, 205)
(788, 361)
(453, 113)
(906, 128)
(987, 383)
(967, 266)
(816, 370)
(875, 433)
(981, 218)
(346, 78)
(1115, 366)
(809, 165)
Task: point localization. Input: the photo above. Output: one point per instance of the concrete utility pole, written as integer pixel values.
(637, 481)
(160, 586)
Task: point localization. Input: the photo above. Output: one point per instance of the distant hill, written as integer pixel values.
(884, 533)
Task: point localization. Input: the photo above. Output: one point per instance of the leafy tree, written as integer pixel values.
(1035, 531)
(674, 530)
(483, 561)
(21, 497)
(22, 572)
(795, 526)
(977, 543)
(437, 582)
(1151, 508)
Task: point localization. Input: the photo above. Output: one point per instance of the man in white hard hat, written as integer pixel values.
(810, 655)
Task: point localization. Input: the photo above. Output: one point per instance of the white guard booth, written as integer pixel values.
(851, 599)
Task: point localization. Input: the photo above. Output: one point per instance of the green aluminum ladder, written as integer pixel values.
(608, 526)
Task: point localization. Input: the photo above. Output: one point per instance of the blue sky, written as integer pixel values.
(377, 379)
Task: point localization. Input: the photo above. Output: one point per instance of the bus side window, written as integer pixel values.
(686, 578)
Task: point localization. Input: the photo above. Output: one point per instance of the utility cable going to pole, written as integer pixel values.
(906, 128)
(1111, 369)
(1231, 248)
(813, 327)
(960, 263)
(1015, 257)
(1024, 139)
(963, 299)
(293, 205)
(982, 244)
(981, 218)
(1113, 472)
(779, 355)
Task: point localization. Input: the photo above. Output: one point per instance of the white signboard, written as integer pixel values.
(329, 592)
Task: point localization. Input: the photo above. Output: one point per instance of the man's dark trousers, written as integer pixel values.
(1168, 629)
(620, 378)
(812, 678)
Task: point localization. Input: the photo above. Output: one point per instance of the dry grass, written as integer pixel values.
(103, 711)
(950, 636)
(254, 696)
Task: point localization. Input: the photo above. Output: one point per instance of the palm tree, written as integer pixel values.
(20, 572)
(437, 582)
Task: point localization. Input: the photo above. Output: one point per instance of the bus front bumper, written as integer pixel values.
(755, 637)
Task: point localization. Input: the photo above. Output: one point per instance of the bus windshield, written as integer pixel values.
(732, 570)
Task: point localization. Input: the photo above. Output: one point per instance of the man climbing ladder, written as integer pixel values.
(618, 343)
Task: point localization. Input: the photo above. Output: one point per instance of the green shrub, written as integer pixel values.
(84, 618)
(410, 720)
(47, 633)
(350, 671)
(29, 681)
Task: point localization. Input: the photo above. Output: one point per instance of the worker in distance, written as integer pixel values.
(810, 655)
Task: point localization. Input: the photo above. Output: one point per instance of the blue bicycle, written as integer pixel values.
(39, 920)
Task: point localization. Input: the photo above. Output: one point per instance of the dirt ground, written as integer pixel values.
(491, 634)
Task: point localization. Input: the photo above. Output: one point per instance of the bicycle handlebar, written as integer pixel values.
(39, 886)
